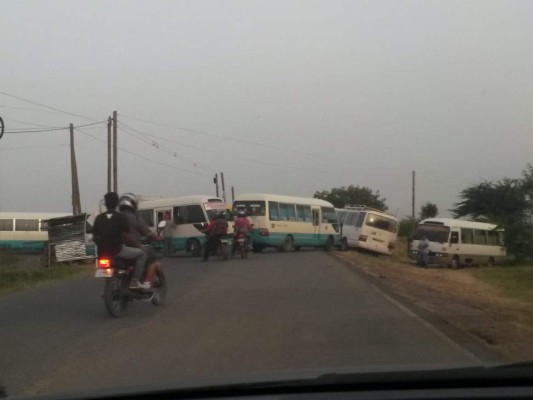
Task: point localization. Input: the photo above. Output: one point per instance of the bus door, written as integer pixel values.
(454, 241)
(316, 226)
(160, 217)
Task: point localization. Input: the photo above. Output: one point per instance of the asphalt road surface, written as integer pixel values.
(272, 312)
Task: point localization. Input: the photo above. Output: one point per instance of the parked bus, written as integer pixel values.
(24, 231)
(456, 242)
(287, 222)
(367, 228)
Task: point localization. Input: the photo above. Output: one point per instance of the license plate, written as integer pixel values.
(103, 273)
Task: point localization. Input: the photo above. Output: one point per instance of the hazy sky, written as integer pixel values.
(284, 97)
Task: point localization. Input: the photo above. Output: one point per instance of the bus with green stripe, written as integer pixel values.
(188, 213)
(25, 232)
(287, 222)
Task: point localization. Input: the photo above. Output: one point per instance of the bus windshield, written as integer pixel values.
(434, 233)
(252, 208)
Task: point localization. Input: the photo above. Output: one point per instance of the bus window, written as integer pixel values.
(492, 238)
(273, 211)
(192, 214)
(454, 238)
(379, 222)
(148, 216)
(316, 220)
(480, 236)
(6, 225)
(286, 212)
(26, 224)
(434, 233)
(328, 215)
(467, 236)
(360, 219)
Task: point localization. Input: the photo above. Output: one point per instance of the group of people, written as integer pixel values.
(218, 227)
(119, 233)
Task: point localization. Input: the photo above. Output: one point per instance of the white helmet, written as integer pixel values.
(128, 201)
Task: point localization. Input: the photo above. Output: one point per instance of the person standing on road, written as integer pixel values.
(111, 230)
(167, 229)
(423, 250)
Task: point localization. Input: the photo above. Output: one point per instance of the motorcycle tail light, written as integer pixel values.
(104, 263)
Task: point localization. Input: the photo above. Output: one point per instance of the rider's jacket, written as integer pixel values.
(243, 226)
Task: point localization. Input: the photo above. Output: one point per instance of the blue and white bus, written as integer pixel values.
(287, 222)
(25, 231)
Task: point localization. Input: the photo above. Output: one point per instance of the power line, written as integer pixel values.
(141, 137)
(26, 109)
(46, 106)
(145, 158)
(255, 144)
(21, 130)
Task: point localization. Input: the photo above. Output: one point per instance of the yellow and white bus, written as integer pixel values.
(24, 231)
(456, 242)
(287, 222)
(367, 228)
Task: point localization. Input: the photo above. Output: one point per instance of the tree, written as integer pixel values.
(339, 197)
(428, 210)
(406, 226)
(507, 203)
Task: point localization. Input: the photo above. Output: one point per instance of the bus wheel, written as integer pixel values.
(491, 263)
(286, 246)
(329, 244)
(455, 262)
(194, 247)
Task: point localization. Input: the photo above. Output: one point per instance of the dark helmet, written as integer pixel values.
(128, 201)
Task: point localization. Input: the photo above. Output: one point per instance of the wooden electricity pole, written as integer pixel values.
(232, 194)
(223, 187)
(413, 202)
(115, 180)
(215, 181)
(76, 202)
(109, 155)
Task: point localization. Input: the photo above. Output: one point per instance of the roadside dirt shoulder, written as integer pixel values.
(503, 324)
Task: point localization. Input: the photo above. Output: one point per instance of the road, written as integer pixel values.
(272, 312)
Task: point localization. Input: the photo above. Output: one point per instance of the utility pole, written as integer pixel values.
(413, 201)
(215, 181)
(232, 194)
(76, 203)
(115, 184)
(223, 187)
(109, 155)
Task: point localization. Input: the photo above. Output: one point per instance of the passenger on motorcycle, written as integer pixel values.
(218, 227)
(138, 230)
(243, 228)
(110, 232)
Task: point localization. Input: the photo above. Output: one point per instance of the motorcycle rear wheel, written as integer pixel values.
(115, 302)
(160, 288)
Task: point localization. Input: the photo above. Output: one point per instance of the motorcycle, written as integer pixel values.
(224, 247)
(117, 294)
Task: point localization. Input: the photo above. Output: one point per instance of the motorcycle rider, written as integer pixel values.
(110, 231)
(138, 229)
(218, 227)
(243, 227)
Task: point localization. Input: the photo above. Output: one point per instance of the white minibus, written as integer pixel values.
(367, 228)
(456, 242)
